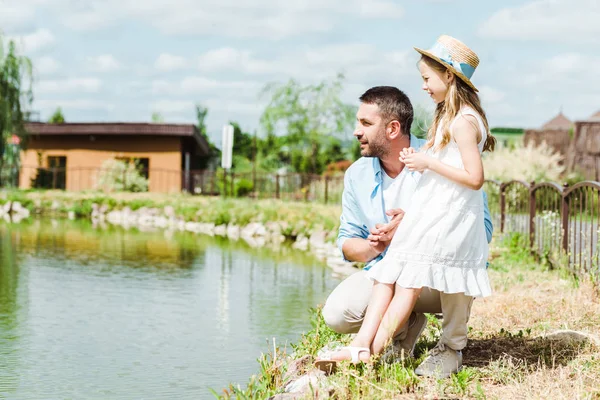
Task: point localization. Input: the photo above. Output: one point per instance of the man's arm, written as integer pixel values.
(487, 220)
(352, 236)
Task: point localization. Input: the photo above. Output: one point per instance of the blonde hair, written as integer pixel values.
(459, 95)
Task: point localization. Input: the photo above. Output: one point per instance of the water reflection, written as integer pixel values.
(108, 313)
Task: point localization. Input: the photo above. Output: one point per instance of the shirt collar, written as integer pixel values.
(378, 172)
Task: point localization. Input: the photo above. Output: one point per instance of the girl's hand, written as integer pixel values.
(417, 161)
(406, 152)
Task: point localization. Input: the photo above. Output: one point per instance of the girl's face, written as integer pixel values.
(435, 83)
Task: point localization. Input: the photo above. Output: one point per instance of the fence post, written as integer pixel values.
(232, 191)
(564, 209)
(276, 186)
(532, 207)
(326, 188)
(306, 192)
(224, 194)
(53, 177)
(502, 207)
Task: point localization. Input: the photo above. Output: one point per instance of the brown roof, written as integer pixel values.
(595, 117)
(558, 122)
(118, 128)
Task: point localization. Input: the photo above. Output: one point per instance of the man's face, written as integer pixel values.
(370, 131)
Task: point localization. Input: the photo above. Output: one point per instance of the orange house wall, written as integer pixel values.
(86, 154)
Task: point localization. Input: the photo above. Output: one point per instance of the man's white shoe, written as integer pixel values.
(401, 349)
(441, 362)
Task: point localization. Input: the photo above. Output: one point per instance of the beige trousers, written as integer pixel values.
(345, 309)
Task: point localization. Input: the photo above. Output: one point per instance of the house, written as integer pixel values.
(584, 153)
(557, 133)
(71, 155)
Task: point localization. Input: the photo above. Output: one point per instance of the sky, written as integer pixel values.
(122, 60)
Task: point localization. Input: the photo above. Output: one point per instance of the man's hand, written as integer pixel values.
(382, 234)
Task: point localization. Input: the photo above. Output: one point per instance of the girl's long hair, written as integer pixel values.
(459, 95)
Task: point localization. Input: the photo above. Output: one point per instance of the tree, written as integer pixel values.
(57, 117)
(157, 118)
(15, 95)
(421, 122)
(214, 152)
(302, 117)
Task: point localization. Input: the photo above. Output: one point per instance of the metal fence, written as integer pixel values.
(560, 222)
(288, 186)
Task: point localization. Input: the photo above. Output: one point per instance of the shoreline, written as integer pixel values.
(260, 223)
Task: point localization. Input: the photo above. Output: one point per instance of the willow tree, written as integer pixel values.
(15, 95)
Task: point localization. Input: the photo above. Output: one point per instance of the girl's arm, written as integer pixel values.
(465, 133)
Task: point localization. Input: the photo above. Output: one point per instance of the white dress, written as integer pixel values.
(441, 242)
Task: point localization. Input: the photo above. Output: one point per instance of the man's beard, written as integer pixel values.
(377, 148)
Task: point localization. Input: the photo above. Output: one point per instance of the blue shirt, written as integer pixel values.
(362, 201)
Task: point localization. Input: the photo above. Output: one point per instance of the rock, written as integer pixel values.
(55, 205)
(317, 239)
(161, 222)
(169, 211)
(233, 232)
(297, 367)
(220, 230)
(301, 243)
(71, 215)
(568, 336)
(7, 207)
(260, 230)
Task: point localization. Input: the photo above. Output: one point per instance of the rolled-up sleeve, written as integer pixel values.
(351, 224)
(487, 220)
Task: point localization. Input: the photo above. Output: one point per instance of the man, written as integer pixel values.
(377, 188)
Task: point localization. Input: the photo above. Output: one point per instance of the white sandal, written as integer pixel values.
(327, 365)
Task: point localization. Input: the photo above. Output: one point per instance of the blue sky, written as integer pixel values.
(109, 60)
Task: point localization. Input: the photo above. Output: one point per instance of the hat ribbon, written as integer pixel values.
(440, 51)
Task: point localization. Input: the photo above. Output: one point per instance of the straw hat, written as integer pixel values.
(455, 55)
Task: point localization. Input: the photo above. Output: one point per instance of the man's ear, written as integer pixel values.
(394, 129)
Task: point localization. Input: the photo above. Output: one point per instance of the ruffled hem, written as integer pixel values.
(409, 274)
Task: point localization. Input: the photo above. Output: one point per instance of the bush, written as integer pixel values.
(117, 176)
(243, 187)
(528, 164)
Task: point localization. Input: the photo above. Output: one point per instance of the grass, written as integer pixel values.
(508, 355)
(296, 218)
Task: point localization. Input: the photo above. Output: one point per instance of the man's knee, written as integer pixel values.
(337, 319)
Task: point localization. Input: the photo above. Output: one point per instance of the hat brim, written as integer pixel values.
(449, 66)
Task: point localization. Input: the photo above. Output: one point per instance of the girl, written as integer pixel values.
(441, 242)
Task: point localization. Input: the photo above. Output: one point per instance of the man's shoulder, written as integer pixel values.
(360, 167)
(417, 143)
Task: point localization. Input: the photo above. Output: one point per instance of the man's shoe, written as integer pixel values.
(402, 349)
(441, 362)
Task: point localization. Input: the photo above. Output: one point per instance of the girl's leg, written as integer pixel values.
(378, 303)
(396, 316)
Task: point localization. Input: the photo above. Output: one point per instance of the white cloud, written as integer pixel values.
(358, 61)
(46, 66)
(169, 62)
(270, 19)
(103, 63)
(202, 85)
(15, 16)
(490, 95)
(33, 42)
(380, 9)
(549, 20)
(87, 85)
(48, 105)
(173, 106)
